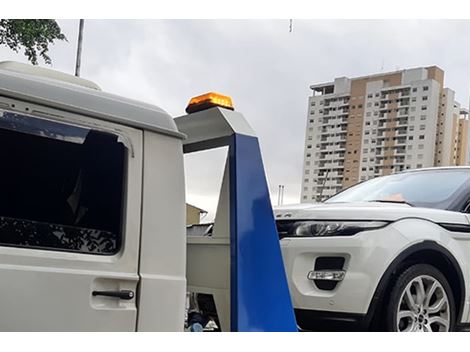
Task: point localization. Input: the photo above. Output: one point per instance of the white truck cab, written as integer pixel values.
(92, 214)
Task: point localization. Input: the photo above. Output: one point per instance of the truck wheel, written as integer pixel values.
(421, 300)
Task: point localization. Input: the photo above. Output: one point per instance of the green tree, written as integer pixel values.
(32, 35)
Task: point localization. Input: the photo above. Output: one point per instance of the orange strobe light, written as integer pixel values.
(209, 100)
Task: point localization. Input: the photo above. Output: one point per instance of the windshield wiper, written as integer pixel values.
(392, 201)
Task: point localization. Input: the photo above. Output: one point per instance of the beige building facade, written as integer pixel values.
(193, 214)
(365, 127)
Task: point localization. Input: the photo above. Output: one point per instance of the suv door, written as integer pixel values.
(69, 224)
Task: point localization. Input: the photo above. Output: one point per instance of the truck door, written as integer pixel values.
(69, 224)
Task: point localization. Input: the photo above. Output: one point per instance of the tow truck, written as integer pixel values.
(92, 214)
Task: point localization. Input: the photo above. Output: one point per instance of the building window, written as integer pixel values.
(415, 90)
(424, 107)
(421, 137)
(413, 99)
(425, 98)
(422, 127)
(425, 88)
(63, 192)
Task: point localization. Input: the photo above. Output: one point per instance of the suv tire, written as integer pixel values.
(421, 300)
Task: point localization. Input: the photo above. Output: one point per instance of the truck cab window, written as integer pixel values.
(61, 195)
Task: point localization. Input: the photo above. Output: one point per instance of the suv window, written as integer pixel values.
(429, 188)
(61, 186)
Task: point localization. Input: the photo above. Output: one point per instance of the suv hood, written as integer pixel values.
(366, 211)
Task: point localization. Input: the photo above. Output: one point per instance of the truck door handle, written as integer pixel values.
(123, 294)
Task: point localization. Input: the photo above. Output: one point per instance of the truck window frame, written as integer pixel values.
(42, 128)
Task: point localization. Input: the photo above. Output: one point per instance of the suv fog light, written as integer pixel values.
(330, 275)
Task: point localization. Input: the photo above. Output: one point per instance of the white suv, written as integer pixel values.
(391, 253)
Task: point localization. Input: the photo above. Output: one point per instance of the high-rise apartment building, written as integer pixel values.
(461, 139)
(361, 128)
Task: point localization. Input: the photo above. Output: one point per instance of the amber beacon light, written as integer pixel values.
(209, 100)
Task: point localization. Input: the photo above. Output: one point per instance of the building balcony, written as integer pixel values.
(400, 141)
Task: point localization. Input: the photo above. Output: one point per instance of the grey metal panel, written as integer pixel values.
(91, 102)
(212, 124)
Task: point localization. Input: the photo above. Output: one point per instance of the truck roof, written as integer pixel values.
(66, 92)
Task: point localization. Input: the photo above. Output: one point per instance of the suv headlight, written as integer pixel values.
(326, 228)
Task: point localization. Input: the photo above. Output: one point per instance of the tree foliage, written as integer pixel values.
(32, 35)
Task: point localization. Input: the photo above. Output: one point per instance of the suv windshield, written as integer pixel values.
(433, 188)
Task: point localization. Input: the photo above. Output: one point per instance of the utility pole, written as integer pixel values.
(79, 48)
(280, 195)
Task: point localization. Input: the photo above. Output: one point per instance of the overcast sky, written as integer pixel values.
(265, 69)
